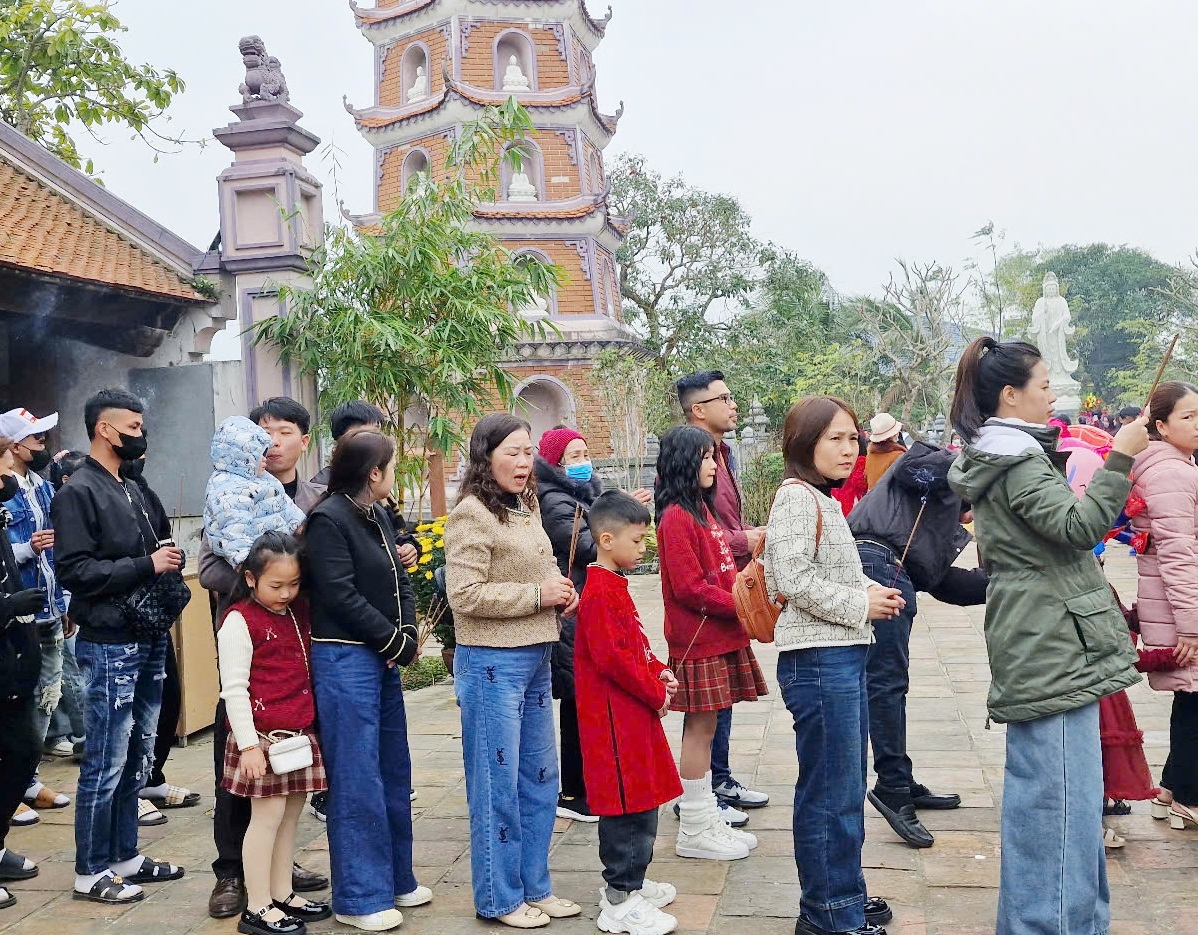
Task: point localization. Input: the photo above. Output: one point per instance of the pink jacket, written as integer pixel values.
(1167, 599)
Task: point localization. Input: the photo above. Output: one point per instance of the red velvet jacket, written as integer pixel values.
(697, 572)
(280, 673)
(626, 759)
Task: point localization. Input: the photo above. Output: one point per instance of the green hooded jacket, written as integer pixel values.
(1055, 637)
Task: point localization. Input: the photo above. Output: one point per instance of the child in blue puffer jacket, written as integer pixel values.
(242, 501)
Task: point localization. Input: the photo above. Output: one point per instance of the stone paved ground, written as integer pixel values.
(950, 888)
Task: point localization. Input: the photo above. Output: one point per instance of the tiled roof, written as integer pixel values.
(43, 231)
(373, 16)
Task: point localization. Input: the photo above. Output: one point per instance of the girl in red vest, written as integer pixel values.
(264, 646)
(709, 649)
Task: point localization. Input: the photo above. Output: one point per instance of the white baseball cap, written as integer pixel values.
(19, 424)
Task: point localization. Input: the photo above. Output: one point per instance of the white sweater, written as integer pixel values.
(235, 651)
(826, 596)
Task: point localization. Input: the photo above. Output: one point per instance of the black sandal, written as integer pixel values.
(12, 867)
(8, 899)
(311, 911)
(1117, 807)
(153, 871)
(108, 890)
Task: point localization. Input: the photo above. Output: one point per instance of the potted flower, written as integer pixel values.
(432, 610)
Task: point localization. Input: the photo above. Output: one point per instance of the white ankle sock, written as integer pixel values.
(126, 868)
(154, 792)
(34, 788)
(692, 807)
(85, 881)
(28, 865)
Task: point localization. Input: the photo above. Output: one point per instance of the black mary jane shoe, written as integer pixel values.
(877, 911)
(252, 923)
(310, 911)
(923, 797)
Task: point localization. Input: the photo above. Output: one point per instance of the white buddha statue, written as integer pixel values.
(419, 89)
(514, 79)
(538, 307)
(521, 188)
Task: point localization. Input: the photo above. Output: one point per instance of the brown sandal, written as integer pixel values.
(47, 798)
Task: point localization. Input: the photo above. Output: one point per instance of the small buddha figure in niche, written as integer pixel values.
(514, 79)
(521, 188)
(419, 89)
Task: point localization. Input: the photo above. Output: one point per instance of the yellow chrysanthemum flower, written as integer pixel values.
(428, 575)
(440, 543)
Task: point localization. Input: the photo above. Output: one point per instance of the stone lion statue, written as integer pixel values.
(264, 79)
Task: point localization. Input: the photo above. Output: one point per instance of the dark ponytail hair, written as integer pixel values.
(354, 457)
(985, 368)
(1163, 401)
(266, 550)
(678, 460)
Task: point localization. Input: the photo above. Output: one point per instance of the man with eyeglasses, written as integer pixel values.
(708, 404)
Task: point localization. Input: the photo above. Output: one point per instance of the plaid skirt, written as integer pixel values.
(717, 682)
(310, 779)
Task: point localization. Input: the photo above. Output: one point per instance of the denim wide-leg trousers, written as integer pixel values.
(511, 772)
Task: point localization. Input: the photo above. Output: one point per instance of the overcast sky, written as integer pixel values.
(853, 131)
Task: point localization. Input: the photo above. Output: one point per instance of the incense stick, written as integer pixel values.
(1160, 371)
(574, 536)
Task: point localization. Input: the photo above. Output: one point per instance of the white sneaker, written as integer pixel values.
(63, 748)
(418, 897)
(635, 916)
(660, 894)
(375, 922)
(735, 794)
(749, 839)
(731, 816)
(715, 842)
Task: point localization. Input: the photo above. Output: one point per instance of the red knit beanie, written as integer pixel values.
(553, 444)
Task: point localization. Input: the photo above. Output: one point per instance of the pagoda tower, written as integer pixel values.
(438, 63)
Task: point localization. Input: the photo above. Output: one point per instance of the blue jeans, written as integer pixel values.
(887, 670)
(49, 681)
(121, 696)
(364, 739)
(511, 772)
(824, 690)
(67, 720)
(1053, 876)
(720, 771)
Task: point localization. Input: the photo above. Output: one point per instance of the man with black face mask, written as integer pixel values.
(32, 539)
(106, 547)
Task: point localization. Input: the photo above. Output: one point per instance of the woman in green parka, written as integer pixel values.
(1055, 638)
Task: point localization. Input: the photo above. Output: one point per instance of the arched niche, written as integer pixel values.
(544, 401)
(544, 306)
(414, 76)
(518, 44)
(532, 166)
(415, 163)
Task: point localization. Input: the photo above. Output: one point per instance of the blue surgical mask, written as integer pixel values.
(580, 472)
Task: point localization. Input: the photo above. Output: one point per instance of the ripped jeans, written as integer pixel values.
(121, 696)
(49, 681)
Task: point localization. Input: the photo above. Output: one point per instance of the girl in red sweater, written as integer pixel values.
(264, 648)
(709, 650)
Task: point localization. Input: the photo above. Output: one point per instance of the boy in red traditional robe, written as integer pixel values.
(623, 692)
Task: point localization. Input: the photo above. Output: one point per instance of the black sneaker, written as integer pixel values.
(317, 805)
(877, 911)
(575, 808)
(807, 927)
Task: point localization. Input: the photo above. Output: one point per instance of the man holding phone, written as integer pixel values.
(106, 547)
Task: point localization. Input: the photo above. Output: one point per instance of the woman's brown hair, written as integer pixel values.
(1164, 400)
(805, 425)
(479, 481)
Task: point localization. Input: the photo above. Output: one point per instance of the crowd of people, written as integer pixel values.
(314, 617)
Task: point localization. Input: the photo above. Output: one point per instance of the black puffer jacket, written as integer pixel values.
(887, 514)
(20, 652)
(559, 498)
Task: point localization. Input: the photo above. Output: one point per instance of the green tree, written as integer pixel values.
(417, 313)
(60, 65)
(687, 265)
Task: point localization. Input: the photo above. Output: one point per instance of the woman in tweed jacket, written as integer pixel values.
(823, 634)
